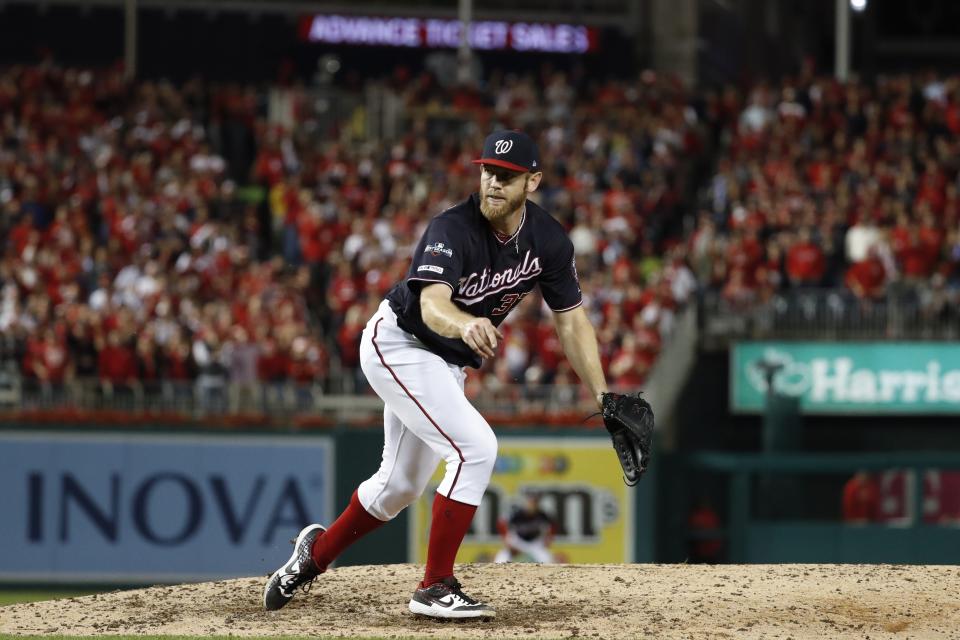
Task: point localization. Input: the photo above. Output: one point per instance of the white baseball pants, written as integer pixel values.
(536, 549)
(426, 419)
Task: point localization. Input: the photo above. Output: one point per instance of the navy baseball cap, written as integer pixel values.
(512, 150)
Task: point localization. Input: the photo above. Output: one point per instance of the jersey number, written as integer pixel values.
(507, 302)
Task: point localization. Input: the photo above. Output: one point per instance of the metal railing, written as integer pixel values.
(830, 314)
(263, 403)
(172, 399)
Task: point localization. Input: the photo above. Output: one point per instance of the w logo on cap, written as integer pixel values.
(513, 150)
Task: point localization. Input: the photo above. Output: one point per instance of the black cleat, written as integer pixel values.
(299, 571)
(447, 600)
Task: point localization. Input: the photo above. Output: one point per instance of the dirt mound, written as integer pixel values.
(536, 601)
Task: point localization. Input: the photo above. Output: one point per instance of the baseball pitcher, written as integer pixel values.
(475, 262)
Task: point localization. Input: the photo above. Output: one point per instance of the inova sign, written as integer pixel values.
(865, 378)
(132, 508)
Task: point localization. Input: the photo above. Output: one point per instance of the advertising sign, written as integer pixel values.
(865, 378)
(421, 33)
(156, 508)
(579, 485)
(895, 504)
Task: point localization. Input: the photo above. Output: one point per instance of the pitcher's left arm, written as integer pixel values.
(579, 342)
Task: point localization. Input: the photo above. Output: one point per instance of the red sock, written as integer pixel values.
(353, 524)
(451, 519)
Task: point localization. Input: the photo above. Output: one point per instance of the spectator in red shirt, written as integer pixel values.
(867, 278)
(343, 290)
(314, 246)
(117, 367)
(272, 365)
(705, 521)
(861, 499)
(930, 188)
(629, 366)
(303, 368)
(269, 166)
(23, 235)
(931, 235)
(46, 357)
(737, 292)
(177, 362)
(914, 258)
(805, 260)
(147, 361)
(744, 251)
(547, 348)
(348, 336)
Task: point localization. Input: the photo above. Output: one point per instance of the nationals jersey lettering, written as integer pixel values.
(476, 287)
(488, 275)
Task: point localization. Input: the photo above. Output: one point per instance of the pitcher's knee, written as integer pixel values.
(398, 499)
(482, 455)
(469, 467)
(384, 503)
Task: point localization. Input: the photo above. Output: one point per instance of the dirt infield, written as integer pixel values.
(535, 601)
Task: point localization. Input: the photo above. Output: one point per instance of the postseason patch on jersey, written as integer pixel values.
(437, 248)
(430, 267)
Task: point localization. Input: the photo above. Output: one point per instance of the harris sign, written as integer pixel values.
(863, 378)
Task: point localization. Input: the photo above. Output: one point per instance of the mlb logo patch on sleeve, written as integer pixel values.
(438, 248)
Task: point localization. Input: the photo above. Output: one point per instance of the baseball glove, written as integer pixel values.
(629, 419)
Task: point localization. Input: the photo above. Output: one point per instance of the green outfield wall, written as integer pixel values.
(915, 520)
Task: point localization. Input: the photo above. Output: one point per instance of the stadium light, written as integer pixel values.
(858, 5)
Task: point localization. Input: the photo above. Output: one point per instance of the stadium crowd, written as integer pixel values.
(128, 255)
(220, 233)
(822, 184)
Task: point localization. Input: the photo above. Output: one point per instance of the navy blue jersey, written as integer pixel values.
(530, 526)
(488, 275)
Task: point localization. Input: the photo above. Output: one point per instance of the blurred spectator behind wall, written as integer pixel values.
(861, 499)
(704, 525)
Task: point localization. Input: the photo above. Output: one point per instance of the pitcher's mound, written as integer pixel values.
(536, 601)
